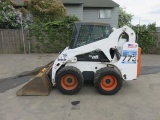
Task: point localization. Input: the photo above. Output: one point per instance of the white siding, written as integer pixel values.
(91, 15)
(75, 10)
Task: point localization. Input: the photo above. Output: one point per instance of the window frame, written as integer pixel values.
(107, 14)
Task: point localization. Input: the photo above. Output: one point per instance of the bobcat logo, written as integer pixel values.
(95, 57)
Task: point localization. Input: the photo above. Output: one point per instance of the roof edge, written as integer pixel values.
(116, 4)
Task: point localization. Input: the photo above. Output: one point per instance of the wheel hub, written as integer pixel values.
(69, 80)
(108, 81)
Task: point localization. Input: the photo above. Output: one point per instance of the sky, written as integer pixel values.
(144, 11)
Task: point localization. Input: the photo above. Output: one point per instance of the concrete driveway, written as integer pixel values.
(14, 64)
(137, 100)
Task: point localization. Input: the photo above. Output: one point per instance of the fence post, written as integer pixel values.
(2, 41)
(29, 42)
(24, 46)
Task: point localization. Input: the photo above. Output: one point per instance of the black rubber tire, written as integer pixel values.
(69, 70)
(104, 72)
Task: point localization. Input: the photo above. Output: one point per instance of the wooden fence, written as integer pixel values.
(12, 41)
(157, 39)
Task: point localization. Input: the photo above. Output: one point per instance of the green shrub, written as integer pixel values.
(52, 36)
(146, 37)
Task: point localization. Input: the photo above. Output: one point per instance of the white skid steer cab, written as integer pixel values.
(98, 53)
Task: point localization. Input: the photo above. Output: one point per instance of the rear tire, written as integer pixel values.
(69, 80)
(107, 81)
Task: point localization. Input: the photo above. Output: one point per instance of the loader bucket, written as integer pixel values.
(40, 85)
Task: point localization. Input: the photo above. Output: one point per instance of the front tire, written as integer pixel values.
(107, 81)
(69, 80)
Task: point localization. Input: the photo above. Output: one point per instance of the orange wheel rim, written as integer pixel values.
(69, 82)
(108, 82)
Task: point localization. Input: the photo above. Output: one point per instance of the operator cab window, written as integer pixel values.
(92, 33)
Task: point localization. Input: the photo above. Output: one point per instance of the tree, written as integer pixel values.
(45, 10)
(124, 18)
(146, 37)
(10, 18)
(50, 26)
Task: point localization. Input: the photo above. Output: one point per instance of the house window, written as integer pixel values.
(104, 13)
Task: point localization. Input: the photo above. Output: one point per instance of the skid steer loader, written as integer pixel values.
(97, 52)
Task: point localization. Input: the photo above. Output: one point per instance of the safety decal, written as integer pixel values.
(129, 57)
(129, 53)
